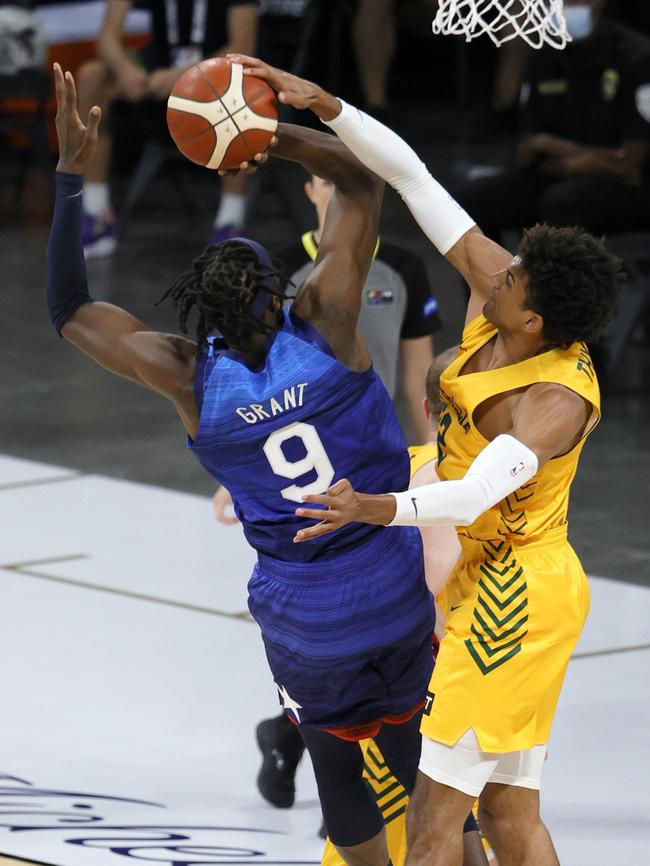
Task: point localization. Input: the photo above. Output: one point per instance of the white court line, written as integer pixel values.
(26, 569)
(38, 482)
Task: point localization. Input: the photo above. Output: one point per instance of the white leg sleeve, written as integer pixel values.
(439, 216)
(500, 469)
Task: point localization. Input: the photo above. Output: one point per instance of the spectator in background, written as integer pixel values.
(182, 34)
(585, 116)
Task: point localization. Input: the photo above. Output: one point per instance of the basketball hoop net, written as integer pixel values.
(538, 22)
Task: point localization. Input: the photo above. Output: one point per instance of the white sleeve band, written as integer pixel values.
(500, 469)
(439, 216)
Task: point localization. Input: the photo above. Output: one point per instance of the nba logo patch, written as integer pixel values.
(428, 703)
(374, 297)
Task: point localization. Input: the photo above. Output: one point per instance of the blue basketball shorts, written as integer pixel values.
(348, 639)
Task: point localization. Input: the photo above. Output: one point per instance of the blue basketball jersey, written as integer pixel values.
(295, 427)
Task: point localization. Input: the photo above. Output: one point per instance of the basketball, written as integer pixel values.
(219, 117)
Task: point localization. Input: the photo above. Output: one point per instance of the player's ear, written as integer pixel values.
(427, 409)
(533, 323)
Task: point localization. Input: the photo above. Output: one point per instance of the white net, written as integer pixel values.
(539, 22)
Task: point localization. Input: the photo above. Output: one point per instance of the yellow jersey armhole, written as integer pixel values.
(474, 330)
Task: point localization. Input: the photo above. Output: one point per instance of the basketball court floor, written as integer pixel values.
(131, 678)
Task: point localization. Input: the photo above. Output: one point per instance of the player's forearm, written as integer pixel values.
(440, 217)
(610, 161)
(67, 287)
(325, 156)
(499, 469)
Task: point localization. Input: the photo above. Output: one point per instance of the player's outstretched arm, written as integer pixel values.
(549, 421)
(111, 336)
(452, 231)
(330, 297)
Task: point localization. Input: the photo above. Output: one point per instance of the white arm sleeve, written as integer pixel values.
(500, 469)
(439, 216)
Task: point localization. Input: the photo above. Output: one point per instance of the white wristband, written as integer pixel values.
(500, 469)
(439, 216)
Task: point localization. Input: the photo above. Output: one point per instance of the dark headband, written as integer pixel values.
(260, 302)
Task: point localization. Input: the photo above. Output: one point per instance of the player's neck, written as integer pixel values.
(511, 348)
(316, 234)
(254, 351)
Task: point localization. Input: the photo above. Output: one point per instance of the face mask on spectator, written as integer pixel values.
(579, 21)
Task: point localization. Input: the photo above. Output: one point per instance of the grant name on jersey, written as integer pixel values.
(290, 398)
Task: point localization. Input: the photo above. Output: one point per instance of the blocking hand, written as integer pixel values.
(291, 90)
(77, 141)
(339, 506)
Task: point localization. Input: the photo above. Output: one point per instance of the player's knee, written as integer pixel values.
(511, 825)
(486, 819)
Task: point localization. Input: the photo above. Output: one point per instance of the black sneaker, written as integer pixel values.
(282, 747)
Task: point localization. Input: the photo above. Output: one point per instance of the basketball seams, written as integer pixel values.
(260, 92)
(194, 135)
(210, 85)
(231, 116)
(225, 96)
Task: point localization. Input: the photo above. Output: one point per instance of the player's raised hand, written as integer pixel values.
(77, 141)
(291, 90)
(342, 506)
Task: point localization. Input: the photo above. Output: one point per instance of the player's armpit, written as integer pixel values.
(550, 420)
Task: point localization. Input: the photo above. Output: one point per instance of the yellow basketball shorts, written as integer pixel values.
(514, 615)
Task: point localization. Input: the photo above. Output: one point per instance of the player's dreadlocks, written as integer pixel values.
(222, 286)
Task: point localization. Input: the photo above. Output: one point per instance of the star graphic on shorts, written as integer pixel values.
(288, 702)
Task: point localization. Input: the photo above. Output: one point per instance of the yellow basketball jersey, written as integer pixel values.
(518, 596)
(420, 455)
(542, 503)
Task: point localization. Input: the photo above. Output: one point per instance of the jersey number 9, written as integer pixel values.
(315, 459)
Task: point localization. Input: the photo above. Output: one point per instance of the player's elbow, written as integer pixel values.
(469, 516)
